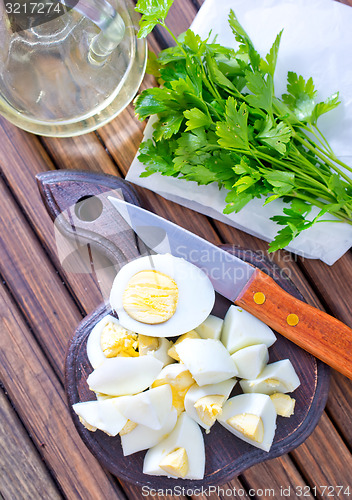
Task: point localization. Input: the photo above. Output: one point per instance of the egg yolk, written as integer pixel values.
(150, 297)
(117, 341)
(284, 404)
(272, 382)
(175, 463)
(147, 344)
(179, 386)
(208, 408)
(251, 426)
(128, 427)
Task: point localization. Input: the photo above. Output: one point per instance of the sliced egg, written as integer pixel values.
(242, 329)
(181, 454)
(94, 351)
(179, 379)
(284, 404)
(124, 376)
(276, 377)
(146, 303)
(208, 360)
(141, 437)
(252, 418)
(104, 415)
(189, 335)
(155, 346)
(204, 404)
(251, 360)
(210, 328)
(149, 408)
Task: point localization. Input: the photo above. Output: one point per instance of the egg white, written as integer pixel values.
(94, 351)
(281, 372)
(196, 295)
(195, 393)
(255, 404)
(186, 434)
(143, 437)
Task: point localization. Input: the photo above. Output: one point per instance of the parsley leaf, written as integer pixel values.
(269, 64)
(244, 40)
(301, 96)
(233, 132)
(196, 118)
(262, 89)
(153, 12)
(275, 135)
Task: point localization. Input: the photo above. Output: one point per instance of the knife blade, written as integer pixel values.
(312, 329)
(228, 274)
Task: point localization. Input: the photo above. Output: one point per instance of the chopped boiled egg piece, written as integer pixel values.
(94, 351)
(189, 335)
(117, 341)
(204, 404)
(155, 346)
(179, 379)
(104, 415)
(208, 360)
(161, 460)
(251, 360)
(208, 408)
(141, 437)
(251, 426)
(242, 329)
(124, 376)
(284, 404)
(149, 408)
(128, 427)
(276, 377)
(175, 463)
(210, 328)
(252, 418)
(150, 297)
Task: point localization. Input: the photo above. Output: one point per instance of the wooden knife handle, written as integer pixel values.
(312, 329)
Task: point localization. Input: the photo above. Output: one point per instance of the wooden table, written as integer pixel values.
(41, 454)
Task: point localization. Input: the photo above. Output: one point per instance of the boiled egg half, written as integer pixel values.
(161, 296)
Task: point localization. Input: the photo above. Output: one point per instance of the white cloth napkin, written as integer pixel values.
(317, 42)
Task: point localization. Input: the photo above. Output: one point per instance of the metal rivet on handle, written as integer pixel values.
(259, 298)
(292, 319)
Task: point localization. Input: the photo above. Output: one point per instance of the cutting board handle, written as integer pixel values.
(77, 203)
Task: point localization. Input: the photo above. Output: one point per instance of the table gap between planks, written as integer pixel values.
(41, 304)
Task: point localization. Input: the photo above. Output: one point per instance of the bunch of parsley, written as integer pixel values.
(220, 121)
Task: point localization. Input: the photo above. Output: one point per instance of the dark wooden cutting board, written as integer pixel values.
(97, 225)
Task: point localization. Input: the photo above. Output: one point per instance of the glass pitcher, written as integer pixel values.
(73, 73)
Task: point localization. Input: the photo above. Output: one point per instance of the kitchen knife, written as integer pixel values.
(315, 331)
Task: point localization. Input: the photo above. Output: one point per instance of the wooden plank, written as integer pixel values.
(26, 475)
(40, 401)
(21, 158)
(267, 486)
(334, 464)
(42, 296)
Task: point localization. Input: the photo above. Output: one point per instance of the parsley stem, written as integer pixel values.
(316, 151)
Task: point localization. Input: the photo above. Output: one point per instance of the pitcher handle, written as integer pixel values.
(112, 27)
